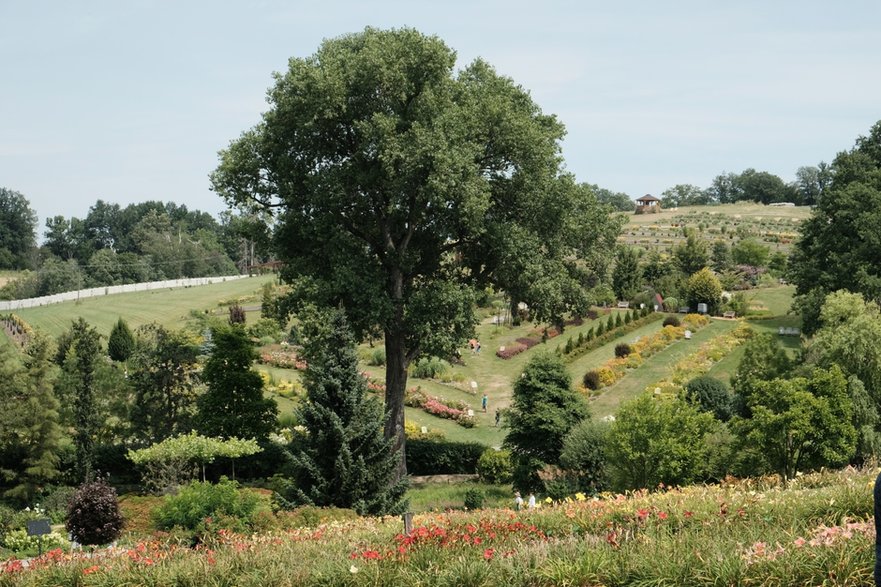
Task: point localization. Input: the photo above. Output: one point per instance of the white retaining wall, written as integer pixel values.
(70, 296)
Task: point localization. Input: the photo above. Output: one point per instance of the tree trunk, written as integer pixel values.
(395, 385)
(396, 363)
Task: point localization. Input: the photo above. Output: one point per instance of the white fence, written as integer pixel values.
(70, 296)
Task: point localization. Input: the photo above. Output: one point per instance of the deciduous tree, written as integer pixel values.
(401, 186)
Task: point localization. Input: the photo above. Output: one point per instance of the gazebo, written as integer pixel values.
(648, 204)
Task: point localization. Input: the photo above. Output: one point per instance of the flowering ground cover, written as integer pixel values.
(818, 530)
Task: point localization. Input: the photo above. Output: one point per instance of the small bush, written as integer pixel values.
(570, 346)
(671, 321)
(627, 318)
(618, 320)
(623, 349)
(610, 323)
(601, 329)
(199, 505)
(376, 358)
(474, 499)
(56, 502)
(592, 380)
(93, 515)
(236, 314)
(494, 466)
(429, 368)
(580, 339)
(709, 394)
(425, 457)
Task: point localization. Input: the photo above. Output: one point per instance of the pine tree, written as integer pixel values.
(121, 343)
(233, 405)
(83, 350)
(543, 411)
(29, 419)
(344, 460)
(41, 431)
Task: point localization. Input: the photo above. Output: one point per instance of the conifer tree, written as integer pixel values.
(344, 460)
(233, 405)
(121, 343)
(83, 349)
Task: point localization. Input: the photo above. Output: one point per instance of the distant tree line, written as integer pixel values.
(115, 245)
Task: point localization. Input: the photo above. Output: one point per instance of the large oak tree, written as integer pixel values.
(401, 184)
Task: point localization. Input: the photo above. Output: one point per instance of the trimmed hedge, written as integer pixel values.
(604, 336)
(429, 457)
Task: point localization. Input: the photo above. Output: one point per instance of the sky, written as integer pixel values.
(129, 101)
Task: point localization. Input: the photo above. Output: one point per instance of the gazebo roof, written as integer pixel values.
(648, 198)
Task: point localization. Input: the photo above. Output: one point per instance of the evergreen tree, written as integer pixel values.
(164, 376)
(627, 277)
(83, 351)
(39, 429)
(121, 343)
(544, 410)
(344, 460)
(233, 405)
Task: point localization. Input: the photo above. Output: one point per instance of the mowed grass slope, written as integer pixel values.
(169, 307)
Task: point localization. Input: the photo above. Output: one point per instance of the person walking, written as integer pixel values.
(483, 402)
(518, 501)
(531, 503)
(498, 417)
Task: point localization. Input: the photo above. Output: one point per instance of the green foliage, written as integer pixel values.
(623, 349)
(80, 364)
(591, 380)
(837, 247)
(584, 455)
(627, 277)
(748, 251)
(18, 231)
(763, 359)
(670, 321)
(610, 323)
(800, 423)
(703, 287)
(709, 394)
(721, 257)
(656, 441)
(93, 515)
(865, 422)
(30, 419)
(233, 405)
(474, 499)
(343, 461)
(494, 466)
(600, 329)
(443, 457)
(265, 328)
(121, 343)
(168, 463)
(377, 357)
(848, 336)
(429, 368)
(164, 376)
(398, 267)
(543, 410)
(691, 256)
(224, 503)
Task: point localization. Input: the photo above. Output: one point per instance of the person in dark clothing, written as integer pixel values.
(877, 494)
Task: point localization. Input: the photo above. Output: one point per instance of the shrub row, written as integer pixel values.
(632, 356)
(537, 336)
(426, 457)
(601, 334)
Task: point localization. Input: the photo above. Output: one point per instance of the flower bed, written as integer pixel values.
(700, 362)
(283, 358)
(818, 531)
(535, 337)
(615, 369)
(448, 409)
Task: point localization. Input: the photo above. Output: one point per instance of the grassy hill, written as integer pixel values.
(170, 307)
(776, 227)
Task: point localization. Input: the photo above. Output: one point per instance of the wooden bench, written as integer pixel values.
(623, 305)
(729, 314)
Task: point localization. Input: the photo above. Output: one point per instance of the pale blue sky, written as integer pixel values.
(131, 100)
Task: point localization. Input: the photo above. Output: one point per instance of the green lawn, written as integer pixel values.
(446, 496)
(169, 307)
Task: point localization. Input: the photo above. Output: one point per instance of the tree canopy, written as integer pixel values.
(18, 231)
(401, 185)
(839, 245)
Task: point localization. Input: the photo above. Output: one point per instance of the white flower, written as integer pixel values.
(353, 569)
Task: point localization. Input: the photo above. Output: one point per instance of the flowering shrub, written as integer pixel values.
(283, 358)
(512, 350)
(448, 409)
